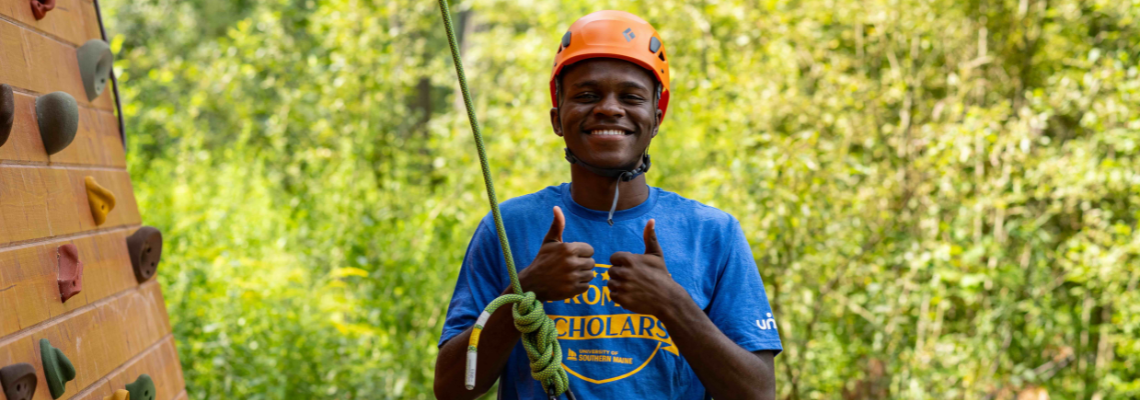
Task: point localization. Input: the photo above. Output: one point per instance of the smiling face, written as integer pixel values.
(607, 114)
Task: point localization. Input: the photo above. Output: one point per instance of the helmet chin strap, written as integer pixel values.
(623, 175)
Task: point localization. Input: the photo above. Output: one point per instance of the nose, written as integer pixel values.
(609, 108)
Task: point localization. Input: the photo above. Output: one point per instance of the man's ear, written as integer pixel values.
(555, 122)
(660, 117)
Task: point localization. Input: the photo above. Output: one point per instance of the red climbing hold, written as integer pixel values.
(41, 8)
(70, 272)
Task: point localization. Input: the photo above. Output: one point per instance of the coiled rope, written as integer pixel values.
(539, 336)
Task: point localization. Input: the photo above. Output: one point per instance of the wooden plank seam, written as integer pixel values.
(61, 318)
(33, 29)
(122, 367)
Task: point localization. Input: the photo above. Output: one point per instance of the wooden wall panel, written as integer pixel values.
(72, 21)
(160, 362)
(115, 329)
(38, 203)
(97, 143)
(97, 338)
(29, 277)
(30, 61)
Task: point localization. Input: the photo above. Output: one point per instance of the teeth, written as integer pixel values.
(607, 132)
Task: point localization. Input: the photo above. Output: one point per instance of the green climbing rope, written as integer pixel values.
(540, 338)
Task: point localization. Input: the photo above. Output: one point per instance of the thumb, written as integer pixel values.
(554, 235)
(651, 245)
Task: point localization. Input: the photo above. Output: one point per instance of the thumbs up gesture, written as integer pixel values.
(640, 282)
(560, 270)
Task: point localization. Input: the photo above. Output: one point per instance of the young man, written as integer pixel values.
(679, 312)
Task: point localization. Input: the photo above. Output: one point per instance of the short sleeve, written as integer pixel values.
(480, 281)
(739, 306)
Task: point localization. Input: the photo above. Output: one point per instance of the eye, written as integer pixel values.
(586, 96)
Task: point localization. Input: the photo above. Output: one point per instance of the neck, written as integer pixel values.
(597, 192)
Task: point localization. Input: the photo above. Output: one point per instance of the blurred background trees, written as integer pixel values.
(942, 197)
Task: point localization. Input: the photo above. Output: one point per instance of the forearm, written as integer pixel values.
(496, 341)
(727, 370)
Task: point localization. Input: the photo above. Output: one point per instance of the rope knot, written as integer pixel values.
(540, 338)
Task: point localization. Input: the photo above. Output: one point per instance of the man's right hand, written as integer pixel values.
(560, 270)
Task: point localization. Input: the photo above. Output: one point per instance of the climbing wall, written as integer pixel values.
(81, 315)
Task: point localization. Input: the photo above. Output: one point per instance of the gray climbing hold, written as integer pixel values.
(58, 116)
(19, 381)
(142, 388)
(95, 61)
(57, 368)
(7, 111)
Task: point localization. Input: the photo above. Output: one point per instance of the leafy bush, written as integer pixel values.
(942, 197)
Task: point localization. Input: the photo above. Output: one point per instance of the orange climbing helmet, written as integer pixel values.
(614, 34)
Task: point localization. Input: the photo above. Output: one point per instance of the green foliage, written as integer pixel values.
(942, 197)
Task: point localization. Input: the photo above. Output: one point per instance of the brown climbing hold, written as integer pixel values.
(145, 248)
(7, 111)
(19, 381)
(70, 271)
(121, 394)
(41, 7)
(102, 201)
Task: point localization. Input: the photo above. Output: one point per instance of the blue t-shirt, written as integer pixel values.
(609, 352)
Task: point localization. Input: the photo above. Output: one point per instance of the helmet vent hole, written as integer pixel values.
(661, 55)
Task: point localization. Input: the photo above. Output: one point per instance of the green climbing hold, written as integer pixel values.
(58, 117)
(57, 368)
(142, 388)
(95, 61)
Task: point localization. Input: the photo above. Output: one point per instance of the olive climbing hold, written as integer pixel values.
(95, 61)
(41, 7)
(70, 271)
(145, 248)
(57, 368)
(142, 388)
(101, 200)
(58, 117)
(120, 394)
(19, 381)
(7, 111)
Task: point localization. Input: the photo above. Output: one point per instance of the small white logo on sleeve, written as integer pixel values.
(766, 324)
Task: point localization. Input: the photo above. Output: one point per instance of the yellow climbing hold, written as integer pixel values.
(102, 201)
(121, 394)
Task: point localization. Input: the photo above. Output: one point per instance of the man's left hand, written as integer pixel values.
(640, 282)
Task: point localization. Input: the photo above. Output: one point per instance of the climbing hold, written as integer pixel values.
(120, 394)
(58, 116)
(7, 111)
(145, 247)
(41, 7)
(70, 271)
(102, 201)
(95, 61)
(19, 381)
(57, 368)
(142, 388)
